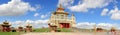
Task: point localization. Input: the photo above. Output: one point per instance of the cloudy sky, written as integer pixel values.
(103, 13)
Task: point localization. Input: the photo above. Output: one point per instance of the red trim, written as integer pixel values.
(64, 25)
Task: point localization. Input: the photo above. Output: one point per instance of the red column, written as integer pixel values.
(61, 25)
(66, 25)
(3, 29)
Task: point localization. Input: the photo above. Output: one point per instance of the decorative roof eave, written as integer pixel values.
(60, 9)
(5, 25)
(61, 13)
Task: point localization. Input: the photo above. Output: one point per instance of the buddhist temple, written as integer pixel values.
(6, 26)
(60, 18)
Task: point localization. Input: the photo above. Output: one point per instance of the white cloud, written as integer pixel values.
(29, 21)
(106, 26)
(34, 23)
(41, 21)
(115, 13)
(45, 15)
(104, 12)
(88, 25)
(15, 7)
(65, 2)
(84, 5)
(36, 14)
(17, 23)
(85, 25)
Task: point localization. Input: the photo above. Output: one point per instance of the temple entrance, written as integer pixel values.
(64, 25)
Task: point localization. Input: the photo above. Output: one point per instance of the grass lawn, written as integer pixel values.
(36, 30)
(65, 30)
(9, 33)
(47, 30)
(41, 30)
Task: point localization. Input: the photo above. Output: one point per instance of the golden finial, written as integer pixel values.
(5, 21)
(60, 6)
(72, 14)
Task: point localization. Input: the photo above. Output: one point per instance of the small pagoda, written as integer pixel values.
(99, 30)
(113, 29)
(6, 26)
(52, 27)
(28, 28)
(20, 29)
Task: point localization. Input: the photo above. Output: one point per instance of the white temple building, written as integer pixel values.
(60, 18)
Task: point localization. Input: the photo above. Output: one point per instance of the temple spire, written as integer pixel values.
(5, 21)
(60, 6)
(72, 14)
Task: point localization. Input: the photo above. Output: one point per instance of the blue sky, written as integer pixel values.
(90, 12)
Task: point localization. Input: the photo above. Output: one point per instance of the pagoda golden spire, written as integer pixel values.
(72, 14)
(60, 8)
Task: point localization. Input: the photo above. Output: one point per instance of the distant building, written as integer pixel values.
(61, 20)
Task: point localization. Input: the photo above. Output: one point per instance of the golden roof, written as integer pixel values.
(113, 28)
(5, 23)
(59, 9)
